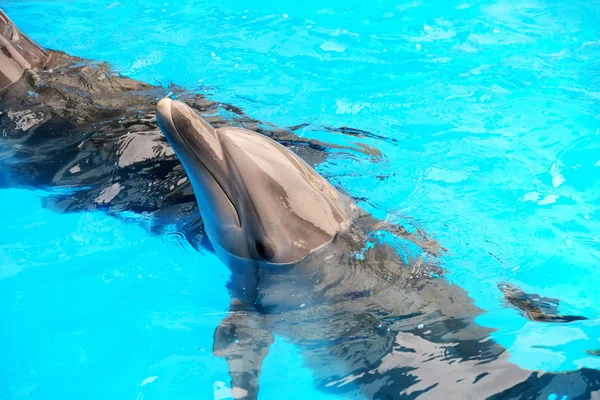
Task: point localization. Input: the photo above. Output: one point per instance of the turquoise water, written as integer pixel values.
(486, 117)
(95, 309)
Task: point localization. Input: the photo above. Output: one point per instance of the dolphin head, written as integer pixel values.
(258, 200)
(18, 53)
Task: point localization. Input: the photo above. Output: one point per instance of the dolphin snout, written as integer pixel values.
(164, 108)
(164, 117)
(190, 135)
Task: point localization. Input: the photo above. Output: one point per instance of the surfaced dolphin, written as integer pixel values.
(258, 200)
(309, 265)
(18, 53)
(88, 135)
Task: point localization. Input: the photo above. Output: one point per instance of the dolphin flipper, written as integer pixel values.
(535, 307)
(243, 340)
(559, 318)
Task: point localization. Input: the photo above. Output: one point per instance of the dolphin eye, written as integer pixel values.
(318, 184)
(12, 34)
(264, 249)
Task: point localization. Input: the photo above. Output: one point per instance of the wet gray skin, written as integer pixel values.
(18, 53)
(291, 241)
(258, 200)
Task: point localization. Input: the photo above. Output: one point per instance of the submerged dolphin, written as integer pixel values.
(309, 265)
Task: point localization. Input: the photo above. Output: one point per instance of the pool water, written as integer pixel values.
(93, 308)
(486, 117)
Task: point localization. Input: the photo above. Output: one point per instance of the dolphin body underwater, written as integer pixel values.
(309, 265)
(371, 314)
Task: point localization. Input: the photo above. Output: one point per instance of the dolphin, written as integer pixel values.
(88, 135)
(18, 53)
(309, 265)
(230, 169)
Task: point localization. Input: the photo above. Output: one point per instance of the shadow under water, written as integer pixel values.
(90, 138)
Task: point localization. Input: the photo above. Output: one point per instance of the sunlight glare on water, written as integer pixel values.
(485, 112)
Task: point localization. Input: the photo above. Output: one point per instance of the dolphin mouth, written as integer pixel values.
(164, 116)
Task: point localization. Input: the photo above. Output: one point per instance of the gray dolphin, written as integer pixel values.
(18, 53)
(311, 266)
(258, 200)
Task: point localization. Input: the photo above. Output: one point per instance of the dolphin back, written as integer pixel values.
(18, 53)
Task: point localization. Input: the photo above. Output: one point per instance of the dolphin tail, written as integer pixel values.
(243, 340)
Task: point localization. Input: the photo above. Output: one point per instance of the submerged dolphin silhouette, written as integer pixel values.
(309, 265)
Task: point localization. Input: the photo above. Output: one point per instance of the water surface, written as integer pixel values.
(485, 113)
